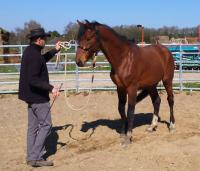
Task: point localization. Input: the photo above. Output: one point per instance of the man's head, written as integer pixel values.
(38, 36)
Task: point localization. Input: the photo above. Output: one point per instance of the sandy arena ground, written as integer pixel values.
(88, 140)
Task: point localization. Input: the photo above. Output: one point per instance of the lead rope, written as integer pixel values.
(74, 107)
(67, 45)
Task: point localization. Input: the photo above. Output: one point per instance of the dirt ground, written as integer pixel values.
(88, 140)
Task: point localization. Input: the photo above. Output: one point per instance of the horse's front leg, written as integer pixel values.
(132, 95)
(122, 97)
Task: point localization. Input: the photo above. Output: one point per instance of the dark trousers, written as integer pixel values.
(39, 127)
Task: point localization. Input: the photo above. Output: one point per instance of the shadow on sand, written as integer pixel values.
(52, 140)
(139, 120)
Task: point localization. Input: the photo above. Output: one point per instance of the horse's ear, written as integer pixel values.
(80, 23)
(87, 22)
(89, 25)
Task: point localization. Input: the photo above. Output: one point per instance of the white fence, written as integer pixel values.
(187, 73)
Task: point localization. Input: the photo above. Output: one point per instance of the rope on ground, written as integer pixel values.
(81, 139)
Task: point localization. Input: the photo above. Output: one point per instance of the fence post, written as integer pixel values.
(181, 69)
(77, 72)
(21, 51)
(77, 79)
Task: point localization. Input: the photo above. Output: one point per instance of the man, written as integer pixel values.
(34, 89)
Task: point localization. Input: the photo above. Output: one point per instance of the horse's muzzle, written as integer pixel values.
(80, 63)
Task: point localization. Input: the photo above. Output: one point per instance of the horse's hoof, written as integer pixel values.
(126, 142)
(151, 128)
(172, 130)
(122, 135)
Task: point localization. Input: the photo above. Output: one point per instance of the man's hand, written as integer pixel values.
(55, 92)
(58, 45)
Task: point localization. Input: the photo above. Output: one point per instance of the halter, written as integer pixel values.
(84, 48)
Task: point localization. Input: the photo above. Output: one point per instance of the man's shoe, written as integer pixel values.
(39, 163)
(31, 163)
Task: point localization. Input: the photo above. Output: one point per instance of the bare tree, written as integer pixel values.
(22, 33)
(70, 31)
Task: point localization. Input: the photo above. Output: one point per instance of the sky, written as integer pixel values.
(56, 14)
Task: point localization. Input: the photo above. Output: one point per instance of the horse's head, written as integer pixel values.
(88, 43)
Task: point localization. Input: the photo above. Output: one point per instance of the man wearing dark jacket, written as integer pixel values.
(34, 89)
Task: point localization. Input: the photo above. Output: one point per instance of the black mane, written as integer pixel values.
(93, 24)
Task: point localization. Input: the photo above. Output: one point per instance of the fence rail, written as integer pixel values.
(187, 73)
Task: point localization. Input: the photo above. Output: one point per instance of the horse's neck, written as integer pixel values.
(111, 46)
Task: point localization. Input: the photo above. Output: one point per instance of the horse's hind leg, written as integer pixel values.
(155, 98)
(122, 97)
(170, 98)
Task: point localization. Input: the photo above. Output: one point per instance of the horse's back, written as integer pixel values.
(159, 54)
(168, 61)
(156, 63)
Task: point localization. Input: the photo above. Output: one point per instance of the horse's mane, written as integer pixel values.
(95, 23)
(121, 37)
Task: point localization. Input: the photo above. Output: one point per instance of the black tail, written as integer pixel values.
(142, 95)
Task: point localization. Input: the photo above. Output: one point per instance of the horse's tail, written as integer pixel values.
(144, 93)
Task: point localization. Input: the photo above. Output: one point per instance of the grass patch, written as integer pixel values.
(192, 85)
(188, 85)
(7, 69)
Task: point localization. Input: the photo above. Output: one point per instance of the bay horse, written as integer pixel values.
(133, 68)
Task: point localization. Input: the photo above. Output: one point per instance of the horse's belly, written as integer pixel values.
(149, 81)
